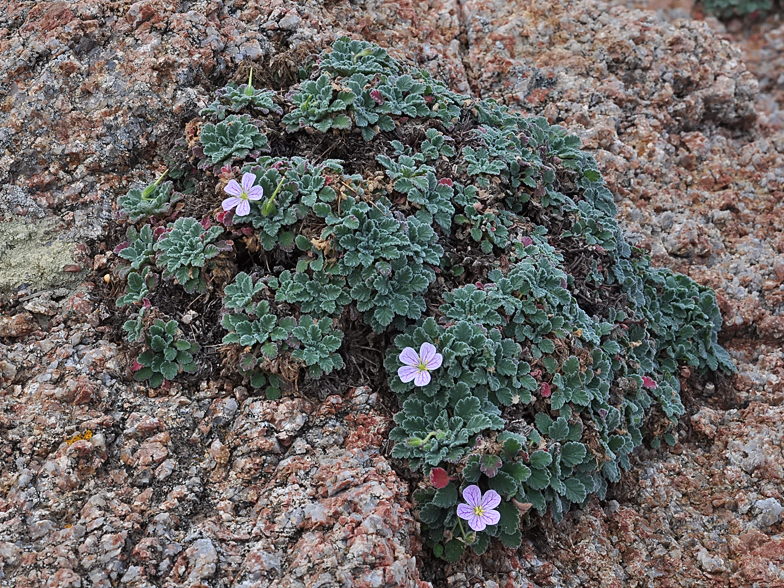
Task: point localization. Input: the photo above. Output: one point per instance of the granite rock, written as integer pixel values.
(107, 483)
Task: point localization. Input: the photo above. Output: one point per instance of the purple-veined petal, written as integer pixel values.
(233, 188)
(407, 373)
(422, 378)
(247, 181)
(255, 193)
(477, 523)
(243, 208)
(427, 351)
(230, 203)
(491, 517)
(409, 357)
(464, 511)
(435, 362)
(472, 495)
(490, 500)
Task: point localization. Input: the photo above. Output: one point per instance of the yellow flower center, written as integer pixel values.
(244, 195)
(478, 511)
(422, 366)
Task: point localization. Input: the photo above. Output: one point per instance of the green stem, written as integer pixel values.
(462, 531)
(269, 203)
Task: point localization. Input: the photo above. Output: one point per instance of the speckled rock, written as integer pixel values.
(107, 483)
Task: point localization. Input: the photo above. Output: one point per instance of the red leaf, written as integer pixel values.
(649, 383)
(526, 241)
(446, 182)
(136, 366)
(438, 477)
(546, 390)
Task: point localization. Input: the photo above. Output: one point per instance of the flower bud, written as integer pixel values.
(268, 207)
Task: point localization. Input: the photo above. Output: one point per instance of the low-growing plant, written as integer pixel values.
(352, 56)
(319, 341)
(279, 210)
(318, 295)
(154, 200)
(254, 325)
(139, 286)
(531, 348)
(139, 249)
(319, 106)
(233, 98)
(185, 251)
(386, 260)
(167, 354)
(134, 327)
(731, 8)
(230, 140)
(432, 197)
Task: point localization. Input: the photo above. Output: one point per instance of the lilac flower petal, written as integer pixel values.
(422, 378)
(409, 357)
(407, 373)
(473, 495)
(435, 362)
(248, 180)
(427, 351)
(477, 523)
(490, 500)
(491, 517)
(255, 193)
(230, 203)
(233, 188)
(464, 511)
(243, 208)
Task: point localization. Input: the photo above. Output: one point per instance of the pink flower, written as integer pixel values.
(241, 195)
(479, 511)
(417, 367)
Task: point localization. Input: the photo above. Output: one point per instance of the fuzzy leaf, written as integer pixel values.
(540, 459)
(489, 465)
(446, 497)
(503, 483)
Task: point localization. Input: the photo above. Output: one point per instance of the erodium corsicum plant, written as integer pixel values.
(154, 200)
(530, 347)
(733, 8)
